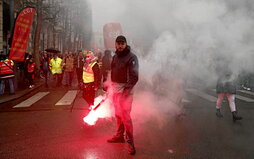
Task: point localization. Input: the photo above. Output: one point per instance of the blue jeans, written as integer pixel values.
(11, 85)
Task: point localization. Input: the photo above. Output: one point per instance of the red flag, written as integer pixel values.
(21, 33)
(110, 32)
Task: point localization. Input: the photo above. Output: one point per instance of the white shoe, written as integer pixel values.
(31, 86)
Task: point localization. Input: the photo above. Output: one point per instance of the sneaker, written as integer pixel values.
(131, 149)
(116, 139)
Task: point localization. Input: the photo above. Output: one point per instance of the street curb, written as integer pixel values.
(20, 93)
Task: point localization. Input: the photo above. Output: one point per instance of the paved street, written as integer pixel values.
(47, 130)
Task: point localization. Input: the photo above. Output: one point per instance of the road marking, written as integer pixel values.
(246, 92)
(202, 95)
(246, 99)
(68, 98)
(31, 100)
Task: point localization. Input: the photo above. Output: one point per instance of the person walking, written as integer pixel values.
(91, 78)
(106, 65)
(31, 72)
(6, 74)
(124, 76)
(226, 87)
(56, 69)
(45, 67)
(69, 69)
(79, 63)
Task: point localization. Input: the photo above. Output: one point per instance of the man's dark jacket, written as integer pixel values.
(124, 68)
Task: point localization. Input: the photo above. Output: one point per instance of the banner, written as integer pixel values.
(21, 33)
(110, 32)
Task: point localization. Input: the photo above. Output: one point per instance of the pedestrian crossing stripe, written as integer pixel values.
(246, 99)
(202, 95)
(31, 100)
(68, 98)
(247, 92)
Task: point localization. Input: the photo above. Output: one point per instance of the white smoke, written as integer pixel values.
(189, 40)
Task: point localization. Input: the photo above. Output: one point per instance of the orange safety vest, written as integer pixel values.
(30, 67)
(6, 67)
(100, 64)
(88, 74)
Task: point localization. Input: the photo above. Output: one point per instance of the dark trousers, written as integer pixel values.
(89, 93)
(69, 77)
(3, 84)
(46, 74)
(58, 78)
(30, 77)
(79, 72)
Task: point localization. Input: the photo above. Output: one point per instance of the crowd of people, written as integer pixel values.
(57, 67)
(64, 68)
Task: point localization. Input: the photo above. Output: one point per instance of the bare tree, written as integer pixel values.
(70, 20)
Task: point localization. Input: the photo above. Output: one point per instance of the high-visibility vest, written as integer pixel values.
(88, 74)
(30, 67)
(6, 67)
(69, 64)
(56, 65)
(100, 63)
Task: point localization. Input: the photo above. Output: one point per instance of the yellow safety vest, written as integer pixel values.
(56, 66)
(88, 74)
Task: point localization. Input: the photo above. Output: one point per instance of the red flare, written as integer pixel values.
(103, 111)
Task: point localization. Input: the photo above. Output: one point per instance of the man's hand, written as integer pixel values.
(126, 91)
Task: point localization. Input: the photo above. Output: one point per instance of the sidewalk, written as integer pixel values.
(20, 92)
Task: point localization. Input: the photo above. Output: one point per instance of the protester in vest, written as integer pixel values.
(124, 75)
(27, 58)
(56, 69)
(91, 78)
(31, 72)
(45, 67)
(69, 68)
(6, 74)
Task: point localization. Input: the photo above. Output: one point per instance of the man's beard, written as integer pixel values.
(120, 49)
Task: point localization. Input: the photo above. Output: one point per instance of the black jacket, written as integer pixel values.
(124, 68)
(226, 85)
